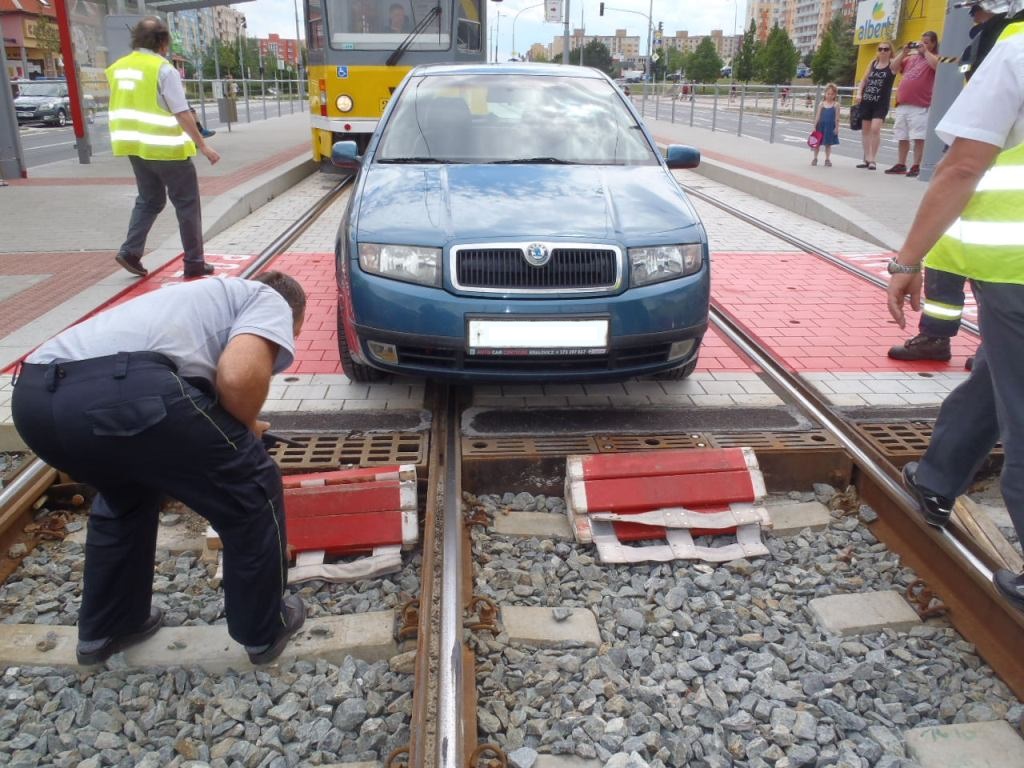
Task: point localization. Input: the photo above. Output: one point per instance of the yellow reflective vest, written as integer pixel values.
(139, 126)
(987, 242)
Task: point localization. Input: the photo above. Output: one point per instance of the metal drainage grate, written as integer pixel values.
(904, 439)
(498, 447)
(322, 452)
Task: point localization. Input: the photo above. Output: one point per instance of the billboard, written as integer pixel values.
(553, 11)
(877, 20)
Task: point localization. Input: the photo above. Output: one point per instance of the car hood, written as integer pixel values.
(439, 204)
(33, 101)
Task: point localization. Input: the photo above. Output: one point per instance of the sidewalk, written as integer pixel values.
(60, 228)
(868, 204)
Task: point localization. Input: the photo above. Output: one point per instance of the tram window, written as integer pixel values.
(315, 21)
(385, 24)
(469, 25)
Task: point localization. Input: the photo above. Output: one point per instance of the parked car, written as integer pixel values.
(726, 71)
(514, 223)
(803, 71)
(47, 101)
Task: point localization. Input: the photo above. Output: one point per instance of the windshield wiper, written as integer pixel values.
(535, 161)
(420, 160)
(433, 13)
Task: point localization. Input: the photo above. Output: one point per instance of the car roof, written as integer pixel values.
(513, 68)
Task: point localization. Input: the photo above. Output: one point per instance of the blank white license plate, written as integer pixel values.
(538, 334)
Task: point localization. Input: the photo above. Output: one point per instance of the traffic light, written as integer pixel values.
(661, 26)
(600, 11)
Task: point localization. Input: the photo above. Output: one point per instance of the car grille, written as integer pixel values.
(456, 360)
(506, 269)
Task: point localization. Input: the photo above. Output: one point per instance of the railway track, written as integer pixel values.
(457, 696)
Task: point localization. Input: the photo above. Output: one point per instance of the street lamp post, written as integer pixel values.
(515, 19)
(497, 33)
(298, 45)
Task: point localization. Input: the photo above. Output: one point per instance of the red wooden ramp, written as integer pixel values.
(671, 496)
(348, 512)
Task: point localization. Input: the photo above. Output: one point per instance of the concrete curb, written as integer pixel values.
(831, 212)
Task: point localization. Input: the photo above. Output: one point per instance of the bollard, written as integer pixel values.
(657, 104)
(277, 90)
(693, 103)
(775, 112)
(263, 96)
(674, 100)
(714, 109)
(743, 96)
(245, 93)
(291, 97)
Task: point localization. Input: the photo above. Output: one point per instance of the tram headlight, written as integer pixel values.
(409, 263)
(664, 262)
(343, 103)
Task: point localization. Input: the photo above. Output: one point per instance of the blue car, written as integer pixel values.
(517, 223)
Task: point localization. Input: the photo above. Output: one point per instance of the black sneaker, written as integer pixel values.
(132, 263)
(198, 270)
(936, 509)
(1011, 586)
(922, 347)
(295, 616)
(898, 168)
(91, 652)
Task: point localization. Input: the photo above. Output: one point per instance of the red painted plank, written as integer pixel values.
(346, 476)
(327, 501)
(350, 532)
(630, 495)
(604, 466)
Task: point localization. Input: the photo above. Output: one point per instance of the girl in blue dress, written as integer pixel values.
(827, 121)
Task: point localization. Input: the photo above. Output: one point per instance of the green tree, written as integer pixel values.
(778, 58)
(48, 38)
(821, 64)
(705, 65)
(597, 55)
(675, 60)
(843, 64)
(743, 64)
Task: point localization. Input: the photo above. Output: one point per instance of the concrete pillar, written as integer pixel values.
(948, 83)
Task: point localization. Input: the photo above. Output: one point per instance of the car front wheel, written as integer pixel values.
(357, 372)
(678, 374)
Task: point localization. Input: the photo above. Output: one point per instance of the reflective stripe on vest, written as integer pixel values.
(987, 241)
(139, 126)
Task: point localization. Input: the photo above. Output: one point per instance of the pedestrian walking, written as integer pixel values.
(152, 125)
(873, 95)
(971, 223)
(944, 295)
(917, 62)
(826, 121)
(159, 396)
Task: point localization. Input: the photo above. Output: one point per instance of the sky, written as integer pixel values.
(698, 17)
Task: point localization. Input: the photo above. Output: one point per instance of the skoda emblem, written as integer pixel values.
(538, 255)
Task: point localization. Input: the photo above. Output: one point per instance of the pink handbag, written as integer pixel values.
(814, 140)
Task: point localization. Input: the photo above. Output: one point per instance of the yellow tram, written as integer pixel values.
(359, 50)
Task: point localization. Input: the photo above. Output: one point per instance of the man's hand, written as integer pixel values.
(210, 154)
(259, 427)
(900, 286)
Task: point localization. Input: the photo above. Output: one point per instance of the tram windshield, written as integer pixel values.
(508, 118)
(384, 24)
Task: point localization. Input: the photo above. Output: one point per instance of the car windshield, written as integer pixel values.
(41, 89)
(508, 118)
(385, 24)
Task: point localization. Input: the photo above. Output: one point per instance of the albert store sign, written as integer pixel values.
(876, 21)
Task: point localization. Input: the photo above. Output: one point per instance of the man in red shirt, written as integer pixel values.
(917, 62)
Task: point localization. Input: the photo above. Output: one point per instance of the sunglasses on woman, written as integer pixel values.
(884, 50)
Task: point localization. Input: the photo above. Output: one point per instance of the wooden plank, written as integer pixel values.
(986, 534)
(605, 466)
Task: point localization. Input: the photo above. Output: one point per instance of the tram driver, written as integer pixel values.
(398, 20)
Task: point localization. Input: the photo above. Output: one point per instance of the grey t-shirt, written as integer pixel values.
(190, 323)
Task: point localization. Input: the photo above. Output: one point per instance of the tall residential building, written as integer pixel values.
(805, 21)
(278, 52)
(623, 47)
(538, 51)
(725, 45)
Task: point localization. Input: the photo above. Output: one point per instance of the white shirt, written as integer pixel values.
(170, 91)
(190, 323)
(991, 107)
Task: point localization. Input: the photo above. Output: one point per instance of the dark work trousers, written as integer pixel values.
(943, 304)
(157, 180)
(132, 428)
(986, 408)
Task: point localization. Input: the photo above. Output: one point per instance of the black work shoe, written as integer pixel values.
(1011, 586)
(922, 347)
(198, 270)
(898, 168)
(132, 263)
(969, 363)
(97, 651)
(936, 509)
(295, 616)
(915, 170)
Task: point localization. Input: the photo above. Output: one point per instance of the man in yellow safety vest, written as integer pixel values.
(971, 223)
(152, 125)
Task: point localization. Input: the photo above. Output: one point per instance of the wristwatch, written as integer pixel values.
(895, 268)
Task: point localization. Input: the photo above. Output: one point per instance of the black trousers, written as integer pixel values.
(130, 426)
(156, 181)
(943, 304)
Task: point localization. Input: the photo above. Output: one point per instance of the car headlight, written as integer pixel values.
(52, 104)
(343, 103)
(409, 263)
(664, 262)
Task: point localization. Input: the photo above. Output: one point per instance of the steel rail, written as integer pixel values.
(803, 245)
(979, 612)
(30, 475)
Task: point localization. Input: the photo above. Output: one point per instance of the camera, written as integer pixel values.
(913, 45)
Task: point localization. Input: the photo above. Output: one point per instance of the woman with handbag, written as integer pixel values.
(873, 95)
(826, 125)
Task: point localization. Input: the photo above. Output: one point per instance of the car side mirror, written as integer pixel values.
(345, 154)
(682, 156)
